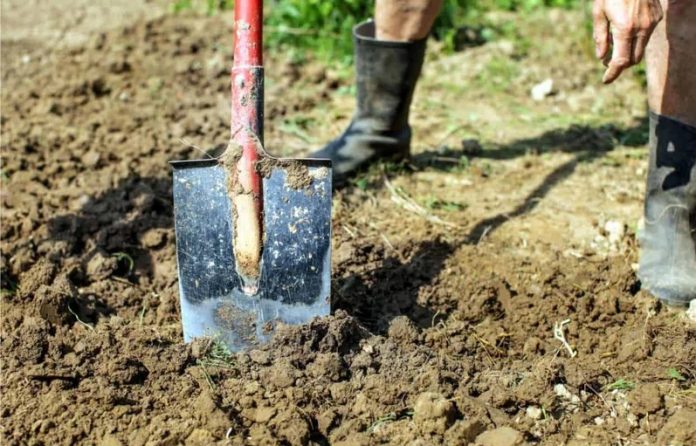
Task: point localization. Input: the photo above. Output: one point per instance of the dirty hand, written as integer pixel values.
(626, 25)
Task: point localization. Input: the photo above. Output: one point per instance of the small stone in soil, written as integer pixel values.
(502, 436)
(534, 412)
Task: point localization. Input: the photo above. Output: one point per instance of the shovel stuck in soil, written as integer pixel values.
(253, 232)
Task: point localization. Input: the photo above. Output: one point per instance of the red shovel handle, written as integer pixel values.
(248, 26)
(247, 76)
(247, 133)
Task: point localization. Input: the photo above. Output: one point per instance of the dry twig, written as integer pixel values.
(559, 335)
(406, 202)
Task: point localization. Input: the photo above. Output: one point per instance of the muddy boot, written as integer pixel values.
(386, 75)
(668, 238)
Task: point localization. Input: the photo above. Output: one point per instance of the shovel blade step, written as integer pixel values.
(294, 285)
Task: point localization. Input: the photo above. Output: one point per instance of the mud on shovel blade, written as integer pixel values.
(294, 284)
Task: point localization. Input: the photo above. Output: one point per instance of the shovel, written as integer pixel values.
(253, 232)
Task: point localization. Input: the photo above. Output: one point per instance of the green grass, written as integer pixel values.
(209, 7)
(621, 384)
(216, 356)
(444, 205)
(389, 418)
(323, 27)
(674, 374)
(121, 256)
(498, 74)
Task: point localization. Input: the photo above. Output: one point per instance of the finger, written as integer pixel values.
(600, 33)
(607, 56)
(620, 58)
(639, 44)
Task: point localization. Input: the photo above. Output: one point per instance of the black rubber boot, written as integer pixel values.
(668, 238)
(386, 75)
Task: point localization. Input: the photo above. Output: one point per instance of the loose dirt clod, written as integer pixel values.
(502, 436)
(297, 174)
(433, 413)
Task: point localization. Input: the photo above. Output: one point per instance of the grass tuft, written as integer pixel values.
(389, 418)
(621, 384)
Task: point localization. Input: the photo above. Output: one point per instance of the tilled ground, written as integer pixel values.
(448, 280)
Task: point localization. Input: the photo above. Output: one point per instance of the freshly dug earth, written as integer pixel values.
(443, 332)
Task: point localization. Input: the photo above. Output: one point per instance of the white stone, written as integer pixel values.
(534, 412)
(691, 312)
(616, 231)
(632, 419)
(542, 89)
(562, 391)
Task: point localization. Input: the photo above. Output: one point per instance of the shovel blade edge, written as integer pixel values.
(295, 281)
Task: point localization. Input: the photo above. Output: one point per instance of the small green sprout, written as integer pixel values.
(621, 384)
(389, 418)
(125, 256)
(674, 374)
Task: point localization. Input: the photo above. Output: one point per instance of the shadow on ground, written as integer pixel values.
(114, 224)
(372, 294)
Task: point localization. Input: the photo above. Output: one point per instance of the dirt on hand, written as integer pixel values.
(440, 335)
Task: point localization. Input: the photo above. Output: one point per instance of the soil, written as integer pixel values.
(441, 334)
(297, 173)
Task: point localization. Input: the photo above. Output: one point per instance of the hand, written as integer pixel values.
(626, 25)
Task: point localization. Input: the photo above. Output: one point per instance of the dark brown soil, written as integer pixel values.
(441, 334)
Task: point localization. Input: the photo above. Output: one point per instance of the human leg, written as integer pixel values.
(388, 59)
(668, 238)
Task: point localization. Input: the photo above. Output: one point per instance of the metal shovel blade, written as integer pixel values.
(294, 284)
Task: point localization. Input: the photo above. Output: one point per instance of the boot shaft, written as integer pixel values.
(386, 76)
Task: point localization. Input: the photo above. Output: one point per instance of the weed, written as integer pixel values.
(498, 74)
(347, 90)
(621, 384)
(393, 168)
(125, 256)
(487, 169)
(390, 418)
(464, 162)
(610, 161)
(298, 127)
(217, 355)
(634, 137)
(142, 315)
(324, 27)
(361, 183)
(207, 376)
(674, 374)
(449, 206)
(210, 7)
